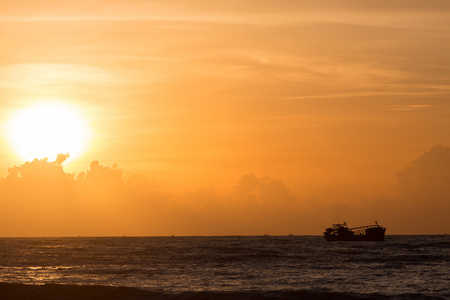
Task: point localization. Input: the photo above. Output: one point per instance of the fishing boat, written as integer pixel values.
(341, 232)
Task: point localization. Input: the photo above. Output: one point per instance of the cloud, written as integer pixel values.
(36, 174)
(34, 75)
(99, 175)
(427, 178)
(262, 191)
(256, 205)
(400, 107)
(38, 198)
(60, 158)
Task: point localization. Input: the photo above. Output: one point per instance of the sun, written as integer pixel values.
(47, 129)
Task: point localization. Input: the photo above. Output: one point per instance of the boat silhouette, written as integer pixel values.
(341, 232)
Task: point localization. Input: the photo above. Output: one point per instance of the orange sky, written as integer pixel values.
(310, 108)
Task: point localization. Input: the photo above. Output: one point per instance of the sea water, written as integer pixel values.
(236, 267)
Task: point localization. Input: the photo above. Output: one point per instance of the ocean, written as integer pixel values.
(234, 267)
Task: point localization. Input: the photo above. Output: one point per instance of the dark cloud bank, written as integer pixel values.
(39, 199)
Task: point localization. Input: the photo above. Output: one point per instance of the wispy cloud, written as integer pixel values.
(38, 74)
(362, 94)
(409, 107)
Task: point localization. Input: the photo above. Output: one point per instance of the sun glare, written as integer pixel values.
(46, 129)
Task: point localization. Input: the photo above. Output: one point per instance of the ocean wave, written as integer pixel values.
(68, 292)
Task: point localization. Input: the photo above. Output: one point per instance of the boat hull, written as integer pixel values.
(365, 233)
